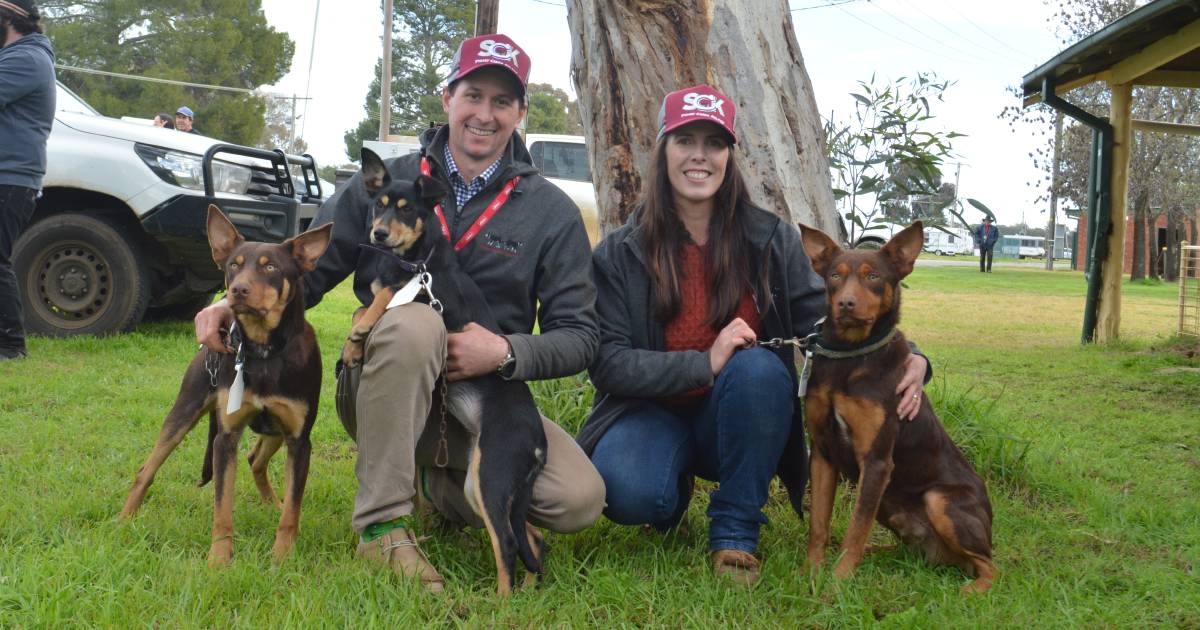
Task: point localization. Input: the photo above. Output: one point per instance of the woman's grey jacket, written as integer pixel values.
(631, 368)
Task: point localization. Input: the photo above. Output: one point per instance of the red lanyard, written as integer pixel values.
(483, 219)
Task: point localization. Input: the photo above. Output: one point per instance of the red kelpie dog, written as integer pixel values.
(272, 385)
(508, 450)
(910, 475)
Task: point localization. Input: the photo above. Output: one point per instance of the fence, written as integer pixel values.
(1189, 290)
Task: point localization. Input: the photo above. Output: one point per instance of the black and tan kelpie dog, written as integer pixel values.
(509, 444)
(272, 384)
(910, 475)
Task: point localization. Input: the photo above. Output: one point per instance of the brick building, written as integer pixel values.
(1156, 238)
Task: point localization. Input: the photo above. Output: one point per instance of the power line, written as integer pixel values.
(892, 35)
(205, 86)
(954, 32)
(312, 49)
(925, 35)
(823, 6)
(980, 29)
(553, 4)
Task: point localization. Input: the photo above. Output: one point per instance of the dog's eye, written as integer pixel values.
(872, 276)
(231, 265)
(271, 268)
(835, 276)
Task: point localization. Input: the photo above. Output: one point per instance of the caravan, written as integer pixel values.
(949, 241)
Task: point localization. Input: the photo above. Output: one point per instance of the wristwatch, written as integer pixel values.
(508, 365)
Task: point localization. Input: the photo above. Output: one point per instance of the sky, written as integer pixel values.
(984, 47)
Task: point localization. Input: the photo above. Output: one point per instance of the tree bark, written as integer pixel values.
(627, 54)
(1137, 268)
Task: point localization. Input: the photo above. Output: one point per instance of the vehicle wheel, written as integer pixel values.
(870, 243)
(79, 276)
(184, 310)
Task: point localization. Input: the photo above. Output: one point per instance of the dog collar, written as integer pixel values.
(410, 267)
(867, 348)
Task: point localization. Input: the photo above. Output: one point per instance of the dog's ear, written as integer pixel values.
(223, 237)
(820, 248)
(430, 190)
(308, 247)
(904, 248)
(375, 175)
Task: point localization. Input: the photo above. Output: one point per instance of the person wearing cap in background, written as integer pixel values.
(531, 260)
(685, 288)
(183, 120)
(986, 236)
(27, 100)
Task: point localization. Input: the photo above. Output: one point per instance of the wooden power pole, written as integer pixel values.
(385, 81)
(1052, 227)
(487, 17)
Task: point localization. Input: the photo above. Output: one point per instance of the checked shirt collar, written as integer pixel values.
(464, 191)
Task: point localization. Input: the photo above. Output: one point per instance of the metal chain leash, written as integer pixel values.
(441, 458)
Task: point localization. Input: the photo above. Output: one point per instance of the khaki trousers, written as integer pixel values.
(384, 405)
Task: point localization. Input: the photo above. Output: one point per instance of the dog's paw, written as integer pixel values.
(220, 553)
(352, 354)
(844, 569)
(816, 558)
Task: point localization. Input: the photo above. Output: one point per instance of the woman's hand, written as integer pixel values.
(909, 387)
(735, 336)
(209, 323)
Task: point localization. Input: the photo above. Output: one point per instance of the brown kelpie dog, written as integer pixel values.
(272, 384)
(508, 449)
(910, 475)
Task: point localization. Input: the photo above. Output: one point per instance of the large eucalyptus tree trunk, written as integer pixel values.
(627, 54)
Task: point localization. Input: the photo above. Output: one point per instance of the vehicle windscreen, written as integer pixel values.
(68, 101)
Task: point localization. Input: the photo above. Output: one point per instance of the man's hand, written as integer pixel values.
(735, 336)
(473, 352)
(909, 387)
(209, 322)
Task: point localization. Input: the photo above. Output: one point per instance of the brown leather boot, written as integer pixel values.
(738, 566)
(398, 550)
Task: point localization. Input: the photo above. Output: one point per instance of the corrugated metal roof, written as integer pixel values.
(1127, 36)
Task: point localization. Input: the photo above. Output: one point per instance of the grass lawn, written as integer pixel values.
(1091, 455)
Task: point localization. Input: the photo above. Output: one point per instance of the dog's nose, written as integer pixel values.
(846, 303)
(379, 235)
(239, 290)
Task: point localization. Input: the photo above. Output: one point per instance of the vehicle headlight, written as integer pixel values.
(187, 170)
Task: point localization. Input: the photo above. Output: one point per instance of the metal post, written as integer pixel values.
(385, 80)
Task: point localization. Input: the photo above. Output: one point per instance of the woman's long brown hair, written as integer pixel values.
(728, 247)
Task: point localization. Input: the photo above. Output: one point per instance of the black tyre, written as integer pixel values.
(184, 310)
(869, 242)
(79, 276)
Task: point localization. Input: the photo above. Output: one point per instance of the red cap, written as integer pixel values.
(700, 102)
(490, 50)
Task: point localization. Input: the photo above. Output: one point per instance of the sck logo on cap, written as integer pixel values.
(694, 104)
(490, 50)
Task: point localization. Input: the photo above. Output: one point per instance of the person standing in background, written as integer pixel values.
(986, 236)
(27, 101)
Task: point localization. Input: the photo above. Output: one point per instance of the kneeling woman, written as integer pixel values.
(685, 288)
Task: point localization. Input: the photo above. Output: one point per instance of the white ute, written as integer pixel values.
(119, 227)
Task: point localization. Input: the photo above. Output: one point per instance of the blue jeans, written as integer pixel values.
(736, 437)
